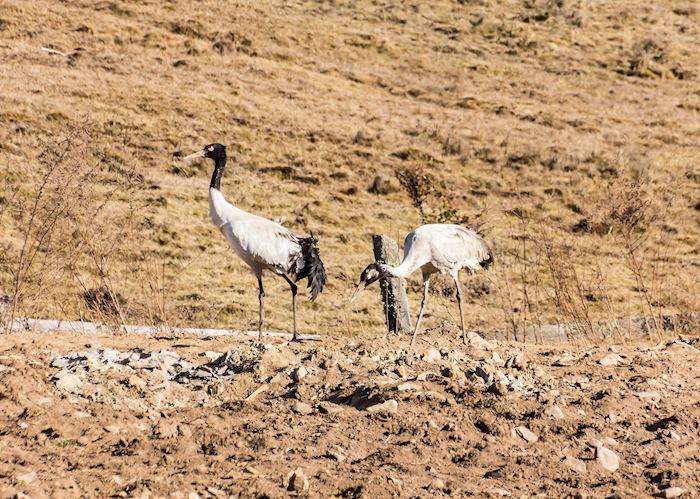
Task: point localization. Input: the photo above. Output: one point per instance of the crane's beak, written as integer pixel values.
(357, 291)
(195, 155)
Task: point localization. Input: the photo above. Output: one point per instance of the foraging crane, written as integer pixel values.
(261, 243)
(444, 248)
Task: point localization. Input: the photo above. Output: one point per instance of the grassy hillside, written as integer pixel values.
(570, 129)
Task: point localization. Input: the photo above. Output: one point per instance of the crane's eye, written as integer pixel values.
(210, 148)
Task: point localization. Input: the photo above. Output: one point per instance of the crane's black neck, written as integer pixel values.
(219, 165)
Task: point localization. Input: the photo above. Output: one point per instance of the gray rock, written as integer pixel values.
(299, 373)
(611, 360)
(302, 408)
(674, 492)
(575, 464)
(646, 395)
(68, 382)
(477, 341)
(607, 458)
(554, 411)
(565, 360)
(406, 387)
(526, 434)
(432, 355)
(27, 477)
(388, 407)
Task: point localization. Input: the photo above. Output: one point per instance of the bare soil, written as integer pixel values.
(132, 433)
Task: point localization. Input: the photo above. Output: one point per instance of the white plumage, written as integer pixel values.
(262, 243)
(444, 248)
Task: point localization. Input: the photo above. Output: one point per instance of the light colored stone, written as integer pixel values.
(477, 341)
(432, 355)
(302, 408)
(299, 373)
(497, 360)
(680, 347)
(526, 434)
(674, 492)
(68, 382)
(610, 441)
(611, 360)
(403, 387)
(113, 428)
(648, 395)
(210, 355)
(565, 360)
(554, 411)
(136, 381)
(575, 464)
(330, 408)
(27, 477)
(607, 458)
(391, 406)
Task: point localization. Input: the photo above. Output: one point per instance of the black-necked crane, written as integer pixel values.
(262, 243)
(444, 248)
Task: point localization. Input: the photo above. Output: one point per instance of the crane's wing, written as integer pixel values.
(266, 242)
(459, 247)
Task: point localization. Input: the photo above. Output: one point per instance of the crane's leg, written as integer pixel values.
(293, 287)
(459, 300)
(424, 301)
(261, 308)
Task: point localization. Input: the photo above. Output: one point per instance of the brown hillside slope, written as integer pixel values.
(529, 116)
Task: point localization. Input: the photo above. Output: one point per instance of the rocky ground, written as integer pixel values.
(195, 417)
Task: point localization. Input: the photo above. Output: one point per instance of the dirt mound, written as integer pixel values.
(347, 418)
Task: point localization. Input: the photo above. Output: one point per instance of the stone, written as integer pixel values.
(302, 408)
(526, 434)
(607, 458)
(27, 477)
(403, 387)
(610, 441)
(497, 360)
(299, 373)
(673, 492)
(212, 355)
(432, 355)
(565, 360)
(678, 346)
(391, 406)
(330, 408)
(68, 382)
(437, 484)
(136, 382)
(554, 411)
(575, 464)
(477, 341)
(297, 481)
(648, 395)
(113, 428)
(517, 361)
(611, 360)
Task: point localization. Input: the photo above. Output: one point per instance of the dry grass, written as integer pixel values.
(516, 110)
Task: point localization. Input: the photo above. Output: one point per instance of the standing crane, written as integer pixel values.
(262, 243)
(444, 248)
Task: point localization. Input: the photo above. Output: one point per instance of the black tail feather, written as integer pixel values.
(313, 266)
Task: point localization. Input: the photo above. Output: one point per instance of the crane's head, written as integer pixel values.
(211, 151)
(373, 272)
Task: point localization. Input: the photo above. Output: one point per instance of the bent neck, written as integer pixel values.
(390, 271)
(219, 165)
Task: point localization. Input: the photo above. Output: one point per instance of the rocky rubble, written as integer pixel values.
(486, 410)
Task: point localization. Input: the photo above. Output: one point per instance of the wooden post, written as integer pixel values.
(393, 289)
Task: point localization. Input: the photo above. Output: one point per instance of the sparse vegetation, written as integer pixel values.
(513, 114)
